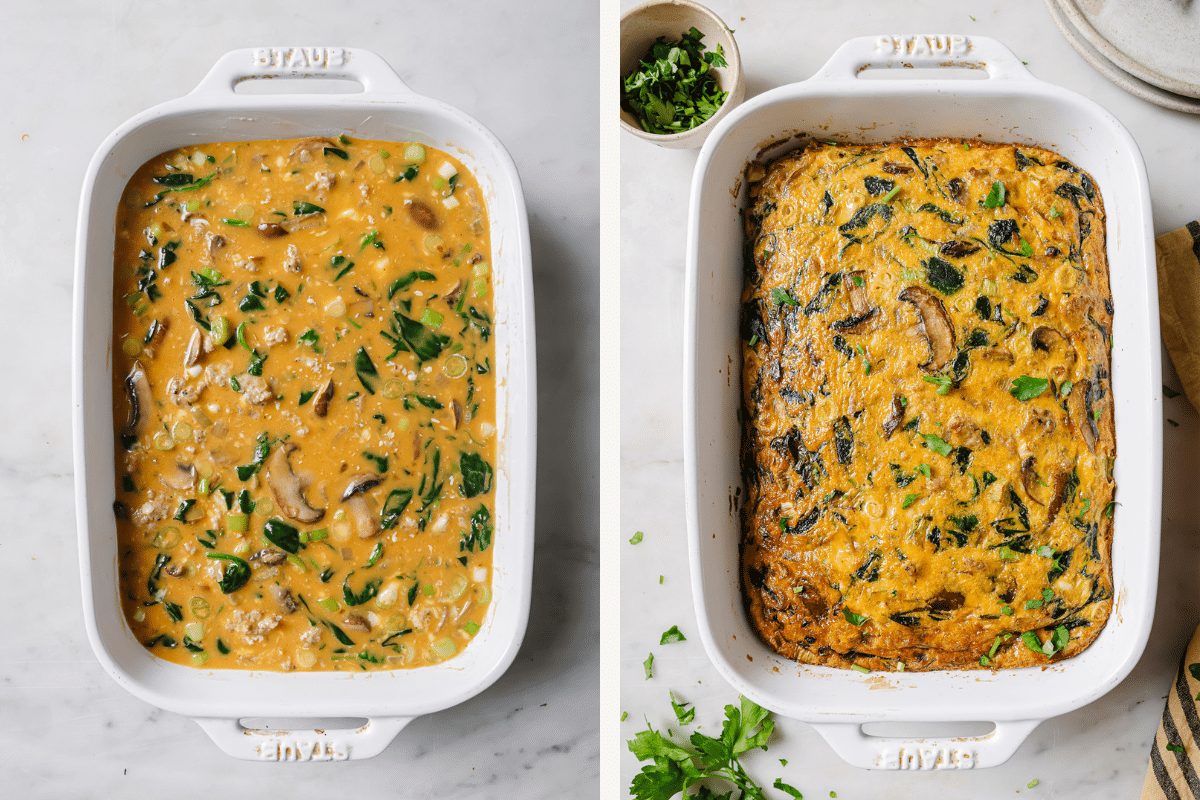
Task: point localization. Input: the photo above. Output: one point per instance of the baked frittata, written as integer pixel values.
(928, 435)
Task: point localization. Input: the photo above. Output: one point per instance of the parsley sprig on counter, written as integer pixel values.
(673, 88)
(677, 767)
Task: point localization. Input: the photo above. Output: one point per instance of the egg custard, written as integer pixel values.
(304, 405)
(928, 436)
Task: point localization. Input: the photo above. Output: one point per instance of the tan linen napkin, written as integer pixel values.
(1179, 303)
(1174, 771)
(1174, 756)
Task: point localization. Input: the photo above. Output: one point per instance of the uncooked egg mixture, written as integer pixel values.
(304, 405)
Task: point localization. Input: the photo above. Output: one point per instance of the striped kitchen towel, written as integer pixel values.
(1179, 304)
(1174, 757)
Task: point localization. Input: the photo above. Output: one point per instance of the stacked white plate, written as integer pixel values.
(1150, 49)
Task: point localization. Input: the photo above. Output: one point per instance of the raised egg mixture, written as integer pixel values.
(304, 405)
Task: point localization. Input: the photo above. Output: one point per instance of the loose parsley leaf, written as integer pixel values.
(637, 538)
(783, 296)
(852, 618)
(936, 444)
(996, 196)
(648, 664)
(672, 635)
(1026, 388)
(683, 714)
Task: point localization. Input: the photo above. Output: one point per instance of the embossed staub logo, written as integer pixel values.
(301, 750)
(924, 45)
(925, 757)
(298, 57)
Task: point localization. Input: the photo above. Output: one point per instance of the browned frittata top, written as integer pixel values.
(928, 425)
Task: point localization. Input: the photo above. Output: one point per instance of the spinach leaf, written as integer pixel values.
(393, 507)
(380, 462)
(261, 449)
(300, 209)
(369, 591)
(235, 575)
(402, 283)
(282, 535)
(409, 335)
(943, 276)
(481, 532)
(476, 474)
(364, 367)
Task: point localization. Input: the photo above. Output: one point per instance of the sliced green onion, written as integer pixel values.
(457, 587)
(219, 330)
(444, 648)
(328, 603)
(428, 590)
(194, 631)
(431, 318)
(318, 534)
(163, 441)
(199, 607)
(480, 287)
(480, 269)
(237, 523)
(471, 627)
(860, 668)
(393, 388)
(199, 658)
(414, 154)
(181, 432)
(166, 538)
(132, 347)
(455, 366)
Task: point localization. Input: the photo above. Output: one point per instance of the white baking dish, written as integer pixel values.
(387, 110)
(1008, 106)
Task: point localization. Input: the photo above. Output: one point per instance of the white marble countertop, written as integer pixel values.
(75, 71)
(1099, 751)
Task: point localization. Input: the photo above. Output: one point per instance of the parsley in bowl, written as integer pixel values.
(680, 72)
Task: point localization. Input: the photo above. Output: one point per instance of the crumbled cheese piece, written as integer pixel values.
(152, 510)
(292, 262)
(255, 390)
(274, 335)
(251, 624)
(311, 637)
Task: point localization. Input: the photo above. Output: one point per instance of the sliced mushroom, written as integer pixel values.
(192, 353)
(215, 242)
(320, 403)
(303, 222)
(1060, 493)
(180, 393)
(355, 622)
(306, 148)
(269, 557)
(894, 418)
(286, 488)
(856, 285)
(360, 483)
(1030, 479)
(364, 519)
(456, 412)
(936, 325)
(283, 598)
(423, 215)
(956, 249)
(180, 476)
(137, 389)
(271, 230)
(455, 293)
(995, 354)
(1079, 413)
(946, 601)
(966, 432)
(892, 168)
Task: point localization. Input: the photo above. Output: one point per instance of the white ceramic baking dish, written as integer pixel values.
(838, 103)
(386, 110)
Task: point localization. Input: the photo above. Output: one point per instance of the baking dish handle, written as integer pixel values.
(859, 749)
(327, 63)
(926, 52)
(255, 744)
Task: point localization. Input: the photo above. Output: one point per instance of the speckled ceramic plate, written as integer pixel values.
(1178, 90)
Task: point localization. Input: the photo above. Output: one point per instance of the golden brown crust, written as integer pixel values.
(905, 508)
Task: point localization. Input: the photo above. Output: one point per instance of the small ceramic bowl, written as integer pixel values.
(641, 25)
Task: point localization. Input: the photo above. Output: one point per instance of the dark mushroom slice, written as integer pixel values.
(286, 488)
(892, 168)
(454, 294)
(946, 601)
(179, 476)
(456, 413)
(1079, 413)
(320, 403)
(271, 230)
(1060, 493)
(1030, 479)
(305, 148)
(894, 418)
(283, 599)
(137, 389)
(423, 215)
(956, 249)
(269, 557)
(1048, 339)
(356, 622)
(363, 482)
(936, 324)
